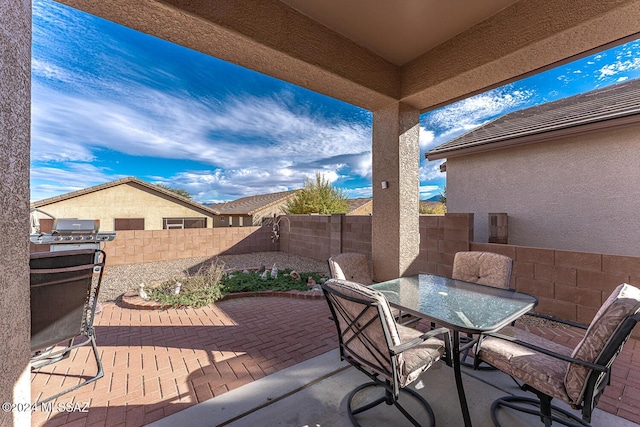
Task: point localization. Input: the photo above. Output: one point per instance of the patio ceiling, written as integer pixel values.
(372, 53)
(399, 30)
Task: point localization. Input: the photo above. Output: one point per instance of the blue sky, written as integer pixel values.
(109, 102)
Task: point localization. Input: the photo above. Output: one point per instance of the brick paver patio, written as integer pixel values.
(159, 362)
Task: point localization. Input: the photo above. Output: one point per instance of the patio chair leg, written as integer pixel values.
(389, 400)
(98, 375)
(542, 408)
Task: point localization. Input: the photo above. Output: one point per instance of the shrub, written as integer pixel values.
(253, 281)
(198, 290)
(209, 285)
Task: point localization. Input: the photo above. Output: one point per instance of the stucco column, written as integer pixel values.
(15, 102)
(396, 157)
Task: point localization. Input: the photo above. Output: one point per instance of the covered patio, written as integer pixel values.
(326, 46)
(245, 360)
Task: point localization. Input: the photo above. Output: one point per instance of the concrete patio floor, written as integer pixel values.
(313, 393)
(244, 361)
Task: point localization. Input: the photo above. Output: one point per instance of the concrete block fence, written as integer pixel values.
(139, 246)
(569, 285)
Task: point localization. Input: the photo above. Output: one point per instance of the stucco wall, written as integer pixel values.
(15, 99)
(123, 201)
(580, 193)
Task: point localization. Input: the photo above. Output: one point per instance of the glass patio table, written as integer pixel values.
(458, 305)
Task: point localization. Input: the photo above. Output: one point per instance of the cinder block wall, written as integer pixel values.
(569, 285)
(139, 246)
(441, 236)
(320, 236)
(307, 235)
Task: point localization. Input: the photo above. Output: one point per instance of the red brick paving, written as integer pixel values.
(159, 362)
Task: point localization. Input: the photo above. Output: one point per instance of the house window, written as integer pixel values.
(169, 223)
(122, 224)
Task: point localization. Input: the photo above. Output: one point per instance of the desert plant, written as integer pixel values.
(197, 290)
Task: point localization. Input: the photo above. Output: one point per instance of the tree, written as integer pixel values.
(179, 191)
(317, 196)
(443, 195)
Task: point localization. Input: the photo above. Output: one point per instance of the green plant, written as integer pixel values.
(253, 281)
(319, 197)
(437, 209)
(198, 290)
(180, 191)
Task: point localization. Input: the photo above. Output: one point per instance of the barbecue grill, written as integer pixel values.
(72, 231)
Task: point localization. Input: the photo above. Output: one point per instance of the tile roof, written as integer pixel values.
(358, 203)
(128, 180)
(252, 204)
(616, 104)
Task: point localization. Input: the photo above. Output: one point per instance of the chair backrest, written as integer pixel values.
(607, 333)
(366, 327)
(485, 268)
(351, 266)
(63, 295)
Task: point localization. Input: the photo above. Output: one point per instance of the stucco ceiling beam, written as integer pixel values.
(523, 39)
(266, 36)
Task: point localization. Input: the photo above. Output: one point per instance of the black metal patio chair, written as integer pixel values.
(64, 294)
(576, 376)
(392, 355)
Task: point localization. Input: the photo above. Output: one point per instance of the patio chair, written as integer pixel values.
(486, 268)
(351, 266)
(577, 376)
(354, 267)
(392, 355)
(64, 294)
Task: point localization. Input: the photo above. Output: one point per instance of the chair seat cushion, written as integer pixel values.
(420, 358)
(544, 373)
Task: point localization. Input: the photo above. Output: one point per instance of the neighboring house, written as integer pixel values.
(128, 204)
(567, 173)
(360, 206)
(252, 210)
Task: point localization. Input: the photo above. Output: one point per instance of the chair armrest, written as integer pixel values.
(558, 320)
(419, 340)
(595, 367)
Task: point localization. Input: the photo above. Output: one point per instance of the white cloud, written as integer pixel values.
(426, 138)
(248, 130)
(427, 191)
(431, 170)
(51, 181)
(472, 112)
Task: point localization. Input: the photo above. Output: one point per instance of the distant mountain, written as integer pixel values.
(435, 198)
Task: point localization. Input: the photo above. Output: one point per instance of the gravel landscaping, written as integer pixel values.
(119, 279)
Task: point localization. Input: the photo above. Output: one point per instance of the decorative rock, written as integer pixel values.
(264, 275)
(295, 276)
(311, 283)
(245, 271)
(141, 292)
